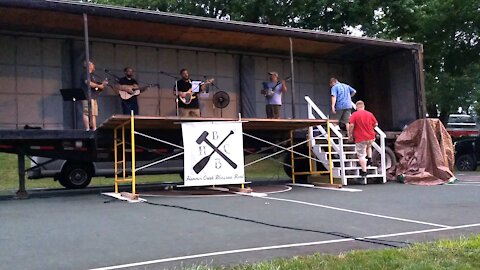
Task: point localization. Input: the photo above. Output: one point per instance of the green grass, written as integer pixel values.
(265, 170)
(9, 179)
(463, 253)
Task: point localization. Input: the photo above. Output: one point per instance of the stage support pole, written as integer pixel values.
(115, 154)
(87, 67)
(330, 163)
(292, 91)
(22, 192)
(292, 156)
(132, 138)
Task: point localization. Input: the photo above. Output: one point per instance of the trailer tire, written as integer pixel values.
(390, 158)
(76, 176)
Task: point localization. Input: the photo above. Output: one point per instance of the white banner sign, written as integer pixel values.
(213, 153)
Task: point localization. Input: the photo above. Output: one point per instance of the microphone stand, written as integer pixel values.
(212, 83)
(117, 80)
(176, 89)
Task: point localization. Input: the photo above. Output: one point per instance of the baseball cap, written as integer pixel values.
(273, 73)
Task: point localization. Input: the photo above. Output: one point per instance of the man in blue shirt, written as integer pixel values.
(273, 91)
(341, 101)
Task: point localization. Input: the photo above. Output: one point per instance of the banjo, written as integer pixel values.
(268, 92)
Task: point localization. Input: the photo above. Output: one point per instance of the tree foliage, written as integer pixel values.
(448, 29)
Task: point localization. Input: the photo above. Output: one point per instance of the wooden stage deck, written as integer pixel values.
(173, 123)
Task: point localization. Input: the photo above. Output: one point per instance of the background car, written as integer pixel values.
(462, 125)
(467, 153)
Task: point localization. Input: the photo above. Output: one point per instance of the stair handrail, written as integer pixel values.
(323, 116)
(338, 148)
(315, 107)
(381, 150)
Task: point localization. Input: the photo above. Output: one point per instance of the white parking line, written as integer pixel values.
(252, 194)
(234, 194)
(327, 188)
(236, 251)
(357, 212)
(469, 182)
(465, 184)
(340, 189)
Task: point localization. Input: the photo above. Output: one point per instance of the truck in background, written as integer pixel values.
(462, 125)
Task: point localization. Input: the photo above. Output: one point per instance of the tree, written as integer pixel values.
(450, 33)
(448, 29)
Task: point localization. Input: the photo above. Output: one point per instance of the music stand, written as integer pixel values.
(73, 94)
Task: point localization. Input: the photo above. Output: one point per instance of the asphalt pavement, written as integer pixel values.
(85, 231)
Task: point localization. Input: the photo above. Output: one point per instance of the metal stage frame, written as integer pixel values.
(133, 125)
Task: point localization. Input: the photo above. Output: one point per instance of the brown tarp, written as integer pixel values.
(425, 153)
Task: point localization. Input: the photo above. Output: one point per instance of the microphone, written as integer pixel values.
(113, 75)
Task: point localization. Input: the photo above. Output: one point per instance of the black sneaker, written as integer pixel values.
(363, 174)
(369, 161)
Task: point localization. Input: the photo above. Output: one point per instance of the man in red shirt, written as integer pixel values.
(362, 129)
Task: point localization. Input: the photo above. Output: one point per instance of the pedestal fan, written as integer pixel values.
(221, 99)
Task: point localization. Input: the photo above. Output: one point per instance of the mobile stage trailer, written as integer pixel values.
(43, 47)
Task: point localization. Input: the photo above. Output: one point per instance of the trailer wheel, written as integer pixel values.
(76, 176)
(390, 158)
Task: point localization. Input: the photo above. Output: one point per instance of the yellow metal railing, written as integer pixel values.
(131, 126)
(132, 138)
(116, 144)
(312, 170)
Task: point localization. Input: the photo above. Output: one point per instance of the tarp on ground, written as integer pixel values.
(425, 153)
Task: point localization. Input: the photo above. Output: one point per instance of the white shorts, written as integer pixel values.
(361, 148)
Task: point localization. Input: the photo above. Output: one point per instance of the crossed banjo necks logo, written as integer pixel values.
(214, 149)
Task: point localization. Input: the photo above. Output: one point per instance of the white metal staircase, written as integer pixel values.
(345, 161)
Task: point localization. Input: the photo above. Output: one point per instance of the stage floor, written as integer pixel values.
(165, 123)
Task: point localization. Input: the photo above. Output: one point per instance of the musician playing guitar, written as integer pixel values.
(128, 84)
(187, 99)
(96, 85)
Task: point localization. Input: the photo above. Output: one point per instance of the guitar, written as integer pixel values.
(136, 91)
(268, 92)
(94, 79)
(189, 95)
